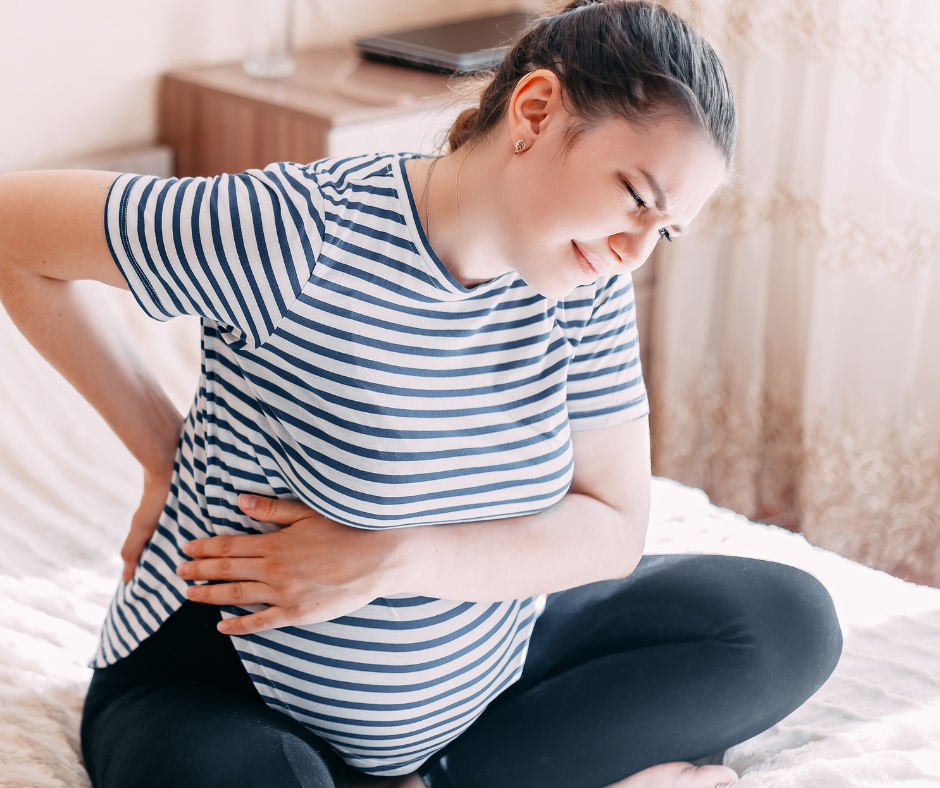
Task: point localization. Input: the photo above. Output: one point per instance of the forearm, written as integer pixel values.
(579, 540)
(317, 569)
(72, 327)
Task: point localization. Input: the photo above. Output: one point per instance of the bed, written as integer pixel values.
(68, 489)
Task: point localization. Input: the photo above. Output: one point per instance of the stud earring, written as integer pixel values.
(520, 146)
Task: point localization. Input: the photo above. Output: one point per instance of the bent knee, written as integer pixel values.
(798, 623)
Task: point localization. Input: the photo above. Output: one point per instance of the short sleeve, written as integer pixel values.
(235, 249)
(605, 381)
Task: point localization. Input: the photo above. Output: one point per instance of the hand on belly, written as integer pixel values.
(312, 570)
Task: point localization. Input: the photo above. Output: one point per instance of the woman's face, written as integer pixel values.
(600, 206)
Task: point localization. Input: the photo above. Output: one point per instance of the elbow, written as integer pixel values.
(10, 259)
(6, 227)
(629, 562)
(632, 542)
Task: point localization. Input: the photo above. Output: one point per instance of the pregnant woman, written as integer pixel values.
(421, 410)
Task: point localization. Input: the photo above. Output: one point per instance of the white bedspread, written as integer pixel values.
(68, 489)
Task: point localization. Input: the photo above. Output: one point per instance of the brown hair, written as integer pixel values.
(615, 58)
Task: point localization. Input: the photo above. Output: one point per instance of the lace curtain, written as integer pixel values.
(796, 332)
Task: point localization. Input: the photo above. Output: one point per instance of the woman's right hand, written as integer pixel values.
(158, 475)
(144, 521)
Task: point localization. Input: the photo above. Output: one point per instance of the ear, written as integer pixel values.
(535, 106)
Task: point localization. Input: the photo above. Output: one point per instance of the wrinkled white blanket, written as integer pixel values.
(68, 488)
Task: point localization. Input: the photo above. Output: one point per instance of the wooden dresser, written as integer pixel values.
(218, 119)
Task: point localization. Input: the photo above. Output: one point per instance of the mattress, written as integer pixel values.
(68, 489)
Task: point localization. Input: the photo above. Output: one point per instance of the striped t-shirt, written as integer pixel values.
(345, 367)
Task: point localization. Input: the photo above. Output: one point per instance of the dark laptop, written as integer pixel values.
(459, 47)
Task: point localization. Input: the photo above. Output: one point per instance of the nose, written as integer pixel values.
(633, 248)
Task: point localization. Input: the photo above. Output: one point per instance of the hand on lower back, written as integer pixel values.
(144, 521)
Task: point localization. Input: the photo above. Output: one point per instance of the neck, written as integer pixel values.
(462, 205)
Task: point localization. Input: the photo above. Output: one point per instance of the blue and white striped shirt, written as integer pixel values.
(345, 367)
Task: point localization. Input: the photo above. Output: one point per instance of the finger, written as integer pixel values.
(232, 594)
(272, 618)
(218, 546)
(274, 510)
(223, 569)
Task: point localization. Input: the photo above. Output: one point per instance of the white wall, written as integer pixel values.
(79, 77)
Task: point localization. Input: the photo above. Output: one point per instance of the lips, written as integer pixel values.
(585, 264)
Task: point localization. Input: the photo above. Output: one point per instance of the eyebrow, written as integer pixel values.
(658, 194)
(659, 197)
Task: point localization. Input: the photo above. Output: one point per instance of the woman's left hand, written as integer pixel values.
(311, 571)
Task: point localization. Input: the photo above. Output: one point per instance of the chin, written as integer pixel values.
(555, 290)
(557, 285)
(565, 284)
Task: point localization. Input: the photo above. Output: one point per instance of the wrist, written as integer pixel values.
(408, 560)
(158, 460)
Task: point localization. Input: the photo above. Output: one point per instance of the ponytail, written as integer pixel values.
(463, 128)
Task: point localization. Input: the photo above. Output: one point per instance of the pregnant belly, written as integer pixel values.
(393, 682)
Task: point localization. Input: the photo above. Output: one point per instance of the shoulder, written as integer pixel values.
(599, 306)
(339, 173)
(605, 291)
(344, 186)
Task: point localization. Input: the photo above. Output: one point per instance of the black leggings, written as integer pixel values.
(685, 658)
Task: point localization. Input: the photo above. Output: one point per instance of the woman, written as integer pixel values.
(394, 341)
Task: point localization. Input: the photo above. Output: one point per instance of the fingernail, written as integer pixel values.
(247, 501)
(187, 548)
(224, 626)
(192, 592)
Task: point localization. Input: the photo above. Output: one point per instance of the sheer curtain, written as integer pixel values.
(796, 332)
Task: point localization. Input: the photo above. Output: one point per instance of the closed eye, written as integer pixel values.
(640, 202)
(664, 232)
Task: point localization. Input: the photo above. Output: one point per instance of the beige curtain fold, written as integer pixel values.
(796, 332)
